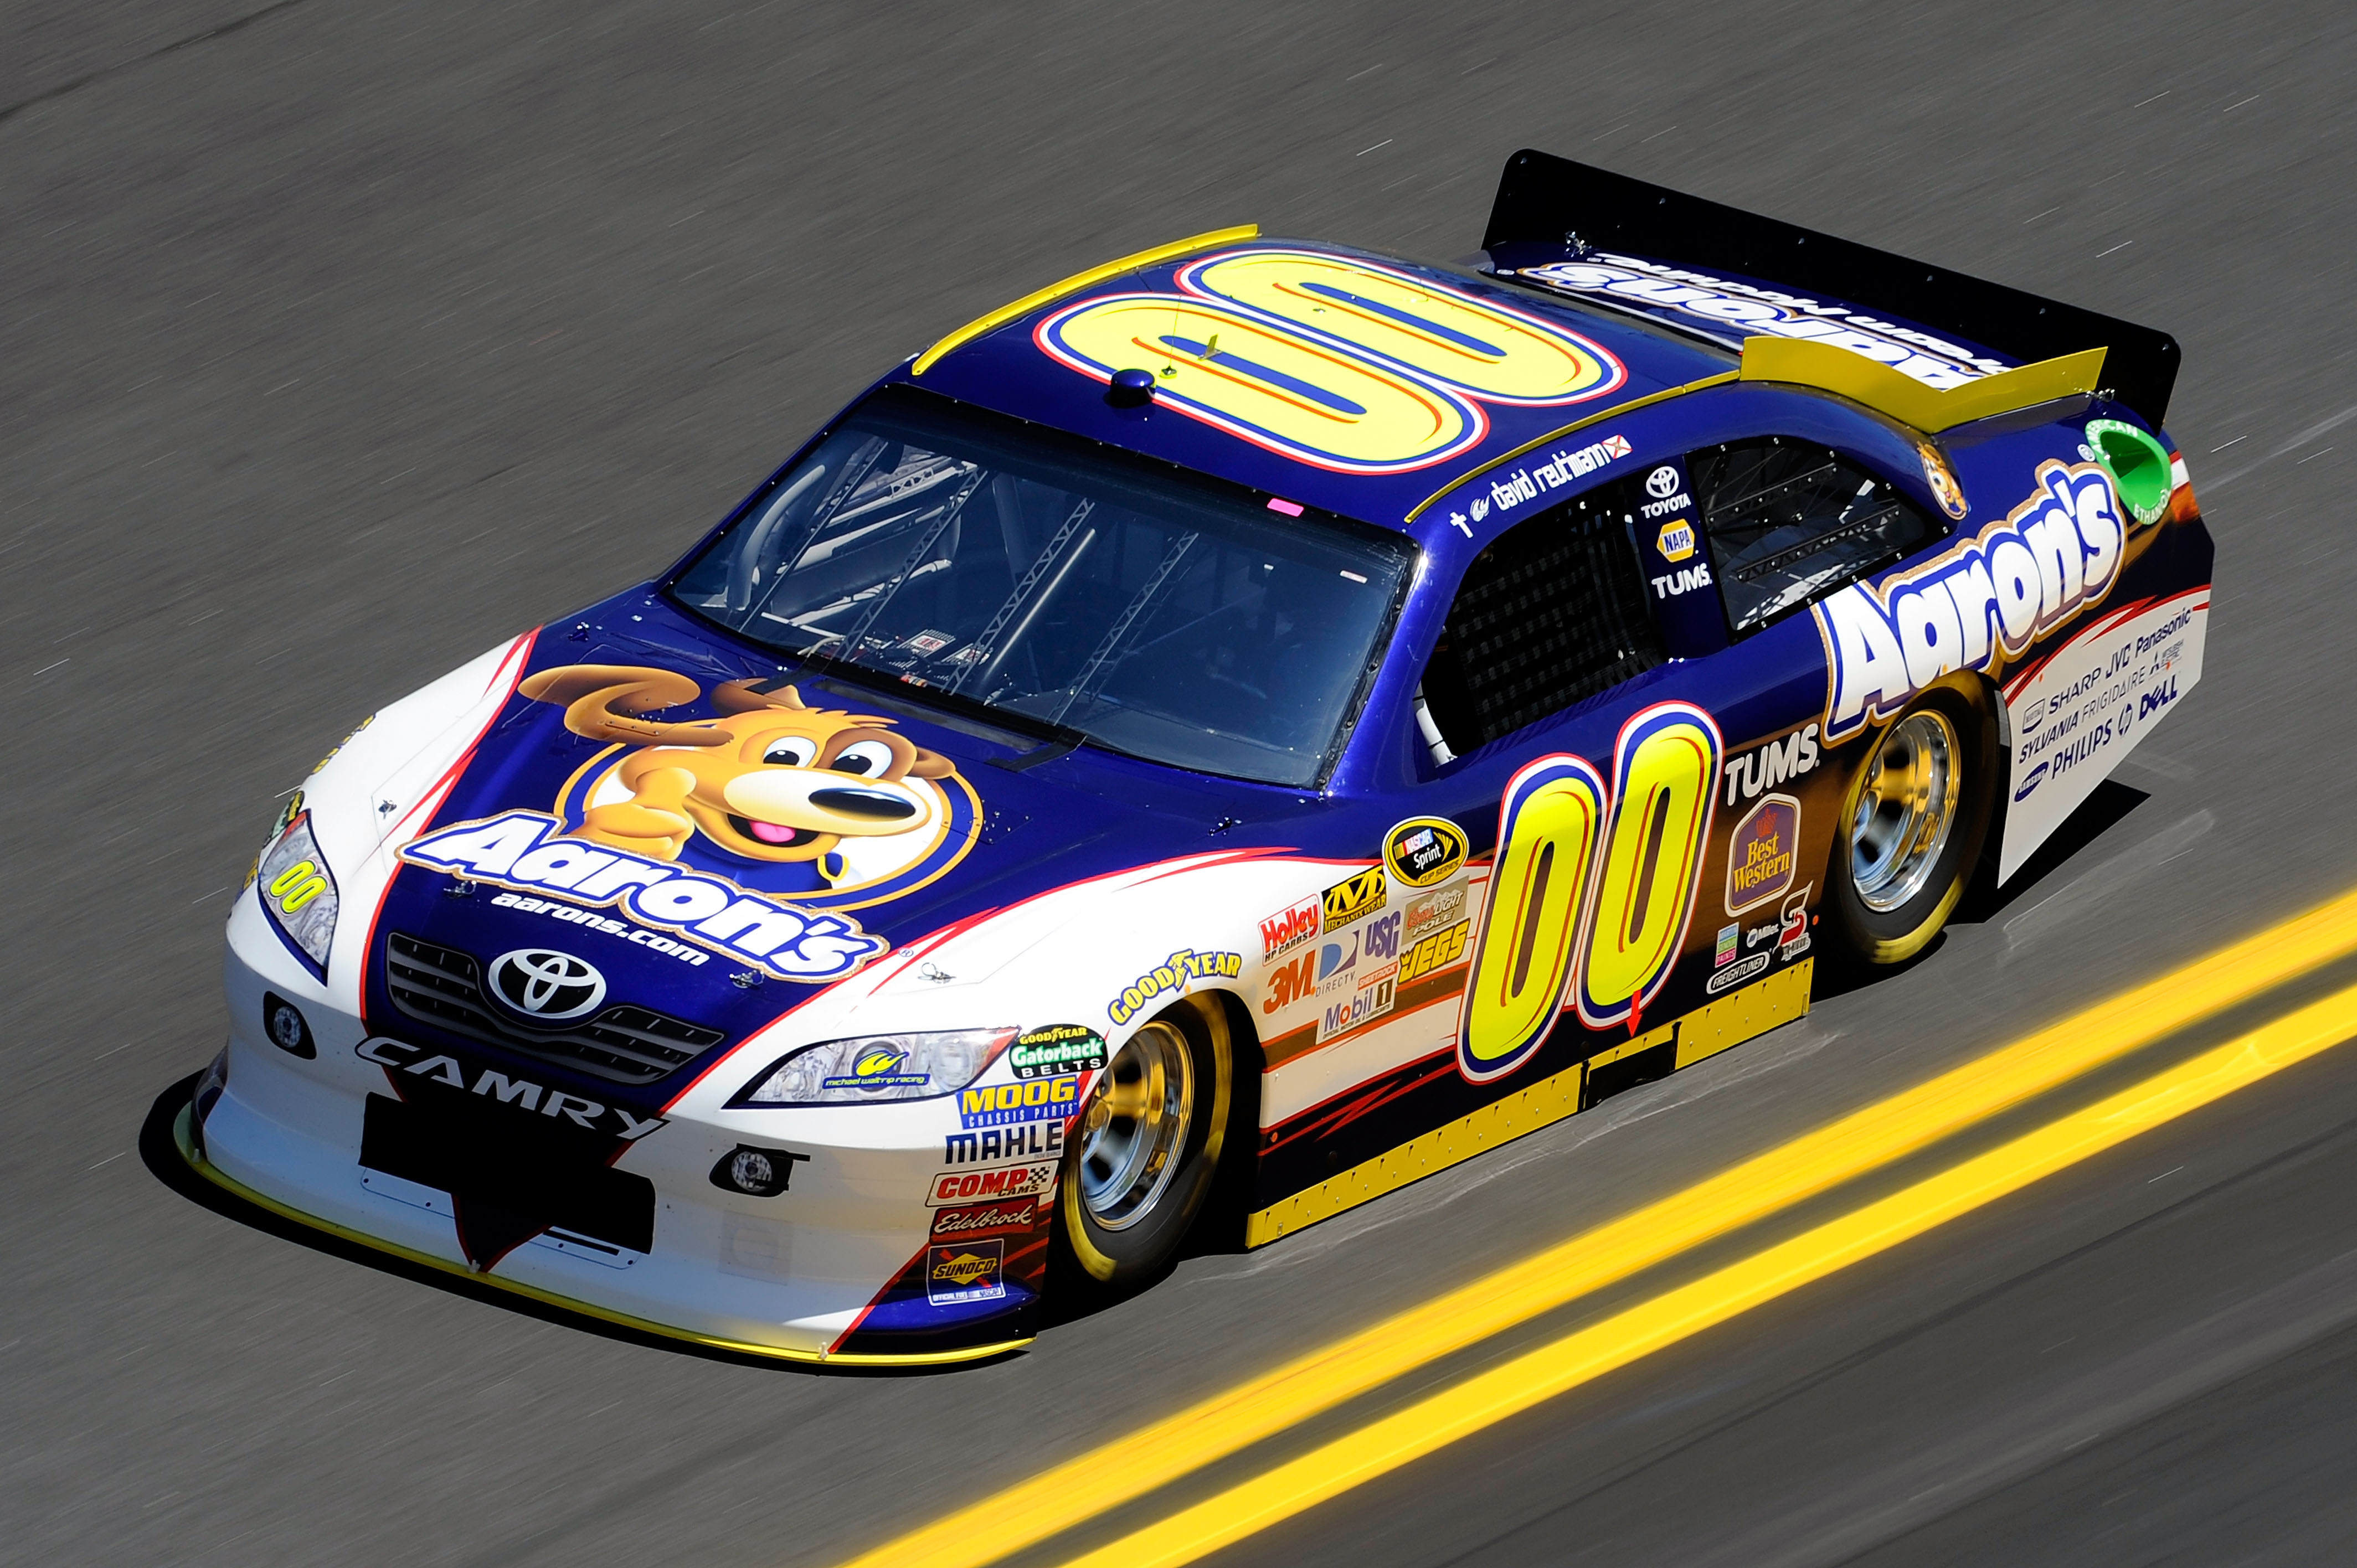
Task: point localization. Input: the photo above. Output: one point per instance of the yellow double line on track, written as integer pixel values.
(1129, 1467)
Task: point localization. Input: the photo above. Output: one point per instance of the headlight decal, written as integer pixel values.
(299, 895)
(865, 1068)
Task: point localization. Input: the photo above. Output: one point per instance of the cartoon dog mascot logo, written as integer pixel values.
(836, 802)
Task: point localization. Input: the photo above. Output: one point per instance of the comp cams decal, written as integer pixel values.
(1984, 598)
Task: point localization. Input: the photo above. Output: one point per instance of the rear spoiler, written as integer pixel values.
(1546, 200)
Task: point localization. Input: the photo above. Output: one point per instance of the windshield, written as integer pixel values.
(1156, 611)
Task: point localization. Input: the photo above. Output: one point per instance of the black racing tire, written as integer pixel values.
(1896, 873)
(1143, 1152)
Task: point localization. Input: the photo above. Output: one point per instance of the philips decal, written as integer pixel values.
(1986, 596)
(527, 851)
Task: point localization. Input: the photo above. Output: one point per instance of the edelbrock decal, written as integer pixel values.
(1987, 596)
(527, 851)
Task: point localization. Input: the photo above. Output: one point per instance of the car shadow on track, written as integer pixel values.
(161, 1155)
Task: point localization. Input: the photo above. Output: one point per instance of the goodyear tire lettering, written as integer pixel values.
(1549, 820)
(1444, 334)
(1665, 775)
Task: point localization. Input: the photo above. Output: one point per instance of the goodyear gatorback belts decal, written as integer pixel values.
(1329, 361)
(751, 835)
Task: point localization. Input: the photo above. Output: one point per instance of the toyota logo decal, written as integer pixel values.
(542, 984)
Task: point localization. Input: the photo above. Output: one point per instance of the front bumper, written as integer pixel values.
(840, 1264)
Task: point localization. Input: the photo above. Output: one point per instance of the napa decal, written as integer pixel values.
(1170, 977)
(1984, 599)
(531, 853)
(1742, 310)
(819, 808)
(1763, 853)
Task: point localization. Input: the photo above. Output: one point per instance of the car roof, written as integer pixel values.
(1441, 373)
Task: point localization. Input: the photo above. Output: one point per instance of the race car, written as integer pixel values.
(1254, 724)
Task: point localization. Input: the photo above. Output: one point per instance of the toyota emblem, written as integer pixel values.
(545, 985)
(1662, 483)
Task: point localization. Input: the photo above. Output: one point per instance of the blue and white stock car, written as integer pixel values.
(1252, 725)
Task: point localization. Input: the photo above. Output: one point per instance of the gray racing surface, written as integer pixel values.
(338, 342)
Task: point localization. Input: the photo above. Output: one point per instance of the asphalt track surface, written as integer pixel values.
(338, 342)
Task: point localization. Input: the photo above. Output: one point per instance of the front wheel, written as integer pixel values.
(1913, 825)
(1145, 1149)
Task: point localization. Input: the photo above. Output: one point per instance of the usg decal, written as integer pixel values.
(528, 851)
(1984, 598)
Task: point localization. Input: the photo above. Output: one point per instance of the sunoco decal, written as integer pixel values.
(1984, 598)
(530, 852)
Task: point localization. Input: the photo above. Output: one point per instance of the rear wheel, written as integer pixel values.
(1145, 1149)
(1913, 825)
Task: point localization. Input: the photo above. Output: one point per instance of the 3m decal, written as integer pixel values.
(966, 1270)
(1424, 851)
(1762, 853)
(1056, 1049)
(987, 1219)
(1265, 382)
(1769, 765)
(1436, 951)
(1170, 976)
(1665, 783)
(1360, 895)
(1986, 596)
(1495, 354)
(1288, 928)
(528, 851)
(1741, 309)
(1027, 1180)
(1548, 821)
(1291, 982)
(1031, 1099)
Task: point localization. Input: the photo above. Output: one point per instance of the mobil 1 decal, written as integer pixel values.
(1593, 887)
(1670, 547)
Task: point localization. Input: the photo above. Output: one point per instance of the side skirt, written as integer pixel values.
(1701, 1034)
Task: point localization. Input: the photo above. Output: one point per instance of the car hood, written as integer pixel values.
(653, 806)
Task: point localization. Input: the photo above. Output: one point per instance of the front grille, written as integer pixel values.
(624, 1044)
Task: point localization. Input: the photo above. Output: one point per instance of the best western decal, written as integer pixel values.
(1170, 976)
(1984, 598)
(527, 851)
(1762, 853)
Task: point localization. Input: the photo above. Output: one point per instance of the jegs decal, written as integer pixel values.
(1984, 598)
